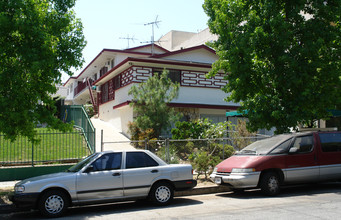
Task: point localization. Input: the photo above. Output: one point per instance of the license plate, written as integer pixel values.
(217, 180)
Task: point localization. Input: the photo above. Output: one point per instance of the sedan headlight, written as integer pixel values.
(19, 189)
(243, 170)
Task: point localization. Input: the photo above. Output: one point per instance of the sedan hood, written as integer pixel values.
(46, 177)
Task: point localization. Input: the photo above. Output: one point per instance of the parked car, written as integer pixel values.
(105, 177)
(283, 159)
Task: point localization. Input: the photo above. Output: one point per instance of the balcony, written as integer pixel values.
(81, 86)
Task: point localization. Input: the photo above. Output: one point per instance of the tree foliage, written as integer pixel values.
(282, 58)
(39, 40)
(150, 102)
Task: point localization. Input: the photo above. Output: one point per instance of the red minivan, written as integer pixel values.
(301, 157)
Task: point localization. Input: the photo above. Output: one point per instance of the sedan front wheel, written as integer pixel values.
(53, 203)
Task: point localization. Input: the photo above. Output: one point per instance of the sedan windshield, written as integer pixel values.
(77, 167)
(264, 146)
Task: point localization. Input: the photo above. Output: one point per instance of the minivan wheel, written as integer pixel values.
(53, 203)
(270, 184)
(161, 193)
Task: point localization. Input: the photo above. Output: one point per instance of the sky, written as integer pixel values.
(106, 22)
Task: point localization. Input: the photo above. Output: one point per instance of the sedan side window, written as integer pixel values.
(110, 161)
(139, 159)
(303, 144)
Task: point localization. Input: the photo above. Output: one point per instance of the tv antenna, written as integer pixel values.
(129, 39)
(152, 24)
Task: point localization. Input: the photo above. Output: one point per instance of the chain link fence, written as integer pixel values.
(177, 151)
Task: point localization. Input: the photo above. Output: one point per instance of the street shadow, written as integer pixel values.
(92, 211)
(288, 191)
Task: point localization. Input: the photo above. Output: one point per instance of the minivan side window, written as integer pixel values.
(330, 142)
(303, 144)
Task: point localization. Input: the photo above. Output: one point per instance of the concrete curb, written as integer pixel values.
(202, 190)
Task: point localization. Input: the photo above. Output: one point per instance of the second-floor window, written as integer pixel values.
(174, 75)
(117, 82)
(103, 71)
(112, 63)
(105, 93)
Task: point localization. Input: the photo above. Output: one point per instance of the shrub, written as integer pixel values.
(203, 162)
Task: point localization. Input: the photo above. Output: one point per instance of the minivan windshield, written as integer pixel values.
(264, 146)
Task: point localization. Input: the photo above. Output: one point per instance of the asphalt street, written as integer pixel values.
(317, 201)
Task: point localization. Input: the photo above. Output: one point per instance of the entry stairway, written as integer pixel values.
(110, 135)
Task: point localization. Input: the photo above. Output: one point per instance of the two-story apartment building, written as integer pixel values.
(106, 81)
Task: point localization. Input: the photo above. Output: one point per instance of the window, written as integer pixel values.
(117, 82)
(282, 148)
(103, 71)
(104, 92)
(330, 142)
(139, 159)
(112, 63)
(174, 75)
(110, 161)
(303, 144)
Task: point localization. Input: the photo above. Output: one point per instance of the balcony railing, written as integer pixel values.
(81, 86)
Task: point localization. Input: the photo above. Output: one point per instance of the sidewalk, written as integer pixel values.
(110, 134)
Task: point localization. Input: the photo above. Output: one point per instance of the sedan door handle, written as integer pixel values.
(154, 171)
(116, 174)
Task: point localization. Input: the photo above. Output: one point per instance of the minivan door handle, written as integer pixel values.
(154, 171)
(116, 174)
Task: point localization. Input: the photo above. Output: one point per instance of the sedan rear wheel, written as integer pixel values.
(270, 184)
(162, 193)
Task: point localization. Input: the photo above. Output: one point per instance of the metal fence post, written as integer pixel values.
(223, 149)
(32, 155)
(102, 147)
(94, 141)
(167, 151)
(146, 144)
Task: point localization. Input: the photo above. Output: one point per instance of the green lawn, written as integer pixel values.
(54, 146)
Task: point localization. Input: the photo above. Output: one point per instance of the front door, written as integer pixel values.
(301, 162)
(103, 181)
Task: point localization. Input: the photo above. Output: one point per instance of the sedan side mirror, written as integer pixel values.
(89, 169)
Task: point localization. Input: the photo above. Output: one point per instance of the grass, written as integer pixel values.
(53, 146)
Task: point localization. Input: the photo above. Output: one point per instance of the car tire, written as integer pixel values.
(53, 203)
(162, 193)
(270, 184)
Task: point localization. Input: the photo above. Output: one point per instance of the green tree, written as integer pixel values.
(39, 40)
(281, 58)
(150, 102)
